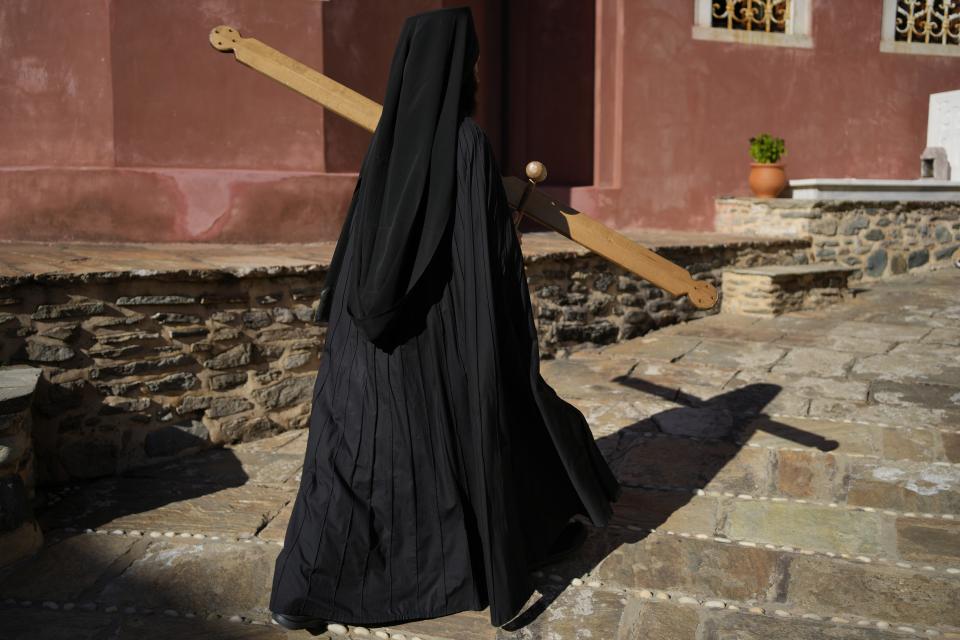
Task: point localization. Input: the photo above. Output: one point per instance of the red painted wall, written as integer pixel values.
(689, 107)
(120, 122)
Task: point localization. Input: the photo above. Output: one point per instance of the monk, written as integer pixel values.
(440, 467)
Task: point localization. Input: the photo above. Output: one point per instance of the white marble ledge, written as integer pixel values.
(874, 189)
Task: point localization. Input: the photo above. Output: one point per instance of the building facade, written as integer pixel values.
(121, 123)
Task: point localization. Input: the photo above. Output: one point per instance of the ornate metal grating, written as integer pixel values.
(769, 16)
(928, 21)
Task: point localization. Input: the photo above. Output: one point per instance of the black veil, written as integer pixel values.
(406, 192)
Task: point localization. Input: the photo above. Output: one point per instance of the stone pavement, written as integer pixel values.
(795, 477)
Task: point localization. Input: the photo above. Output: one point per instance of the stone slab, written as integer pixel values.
(578, 612)
(873, 591)
(904, 486)
(697, 567)
(733, 355)
(879, 331)
(813, 361)
(177, 575)
(17, 383)
(146, 504)
(810, 526)
(725, 625)
(35, 623)
(844, 438)
(661, 620)
(776, 272)
(43, 624)
(926, 540)
(68, 569)
(807, 385)
(670, 510)
(228, 466)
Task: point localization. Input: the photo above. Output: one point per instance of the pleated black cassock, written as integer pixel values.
(439, 463)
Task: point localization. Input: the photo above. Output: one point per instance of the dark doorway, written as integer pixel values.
(548, 96)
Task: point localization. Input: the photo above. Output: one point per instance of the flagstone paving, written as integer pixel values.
(790, 477)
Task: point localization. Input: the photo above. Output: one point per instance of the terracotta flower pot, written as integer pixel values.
(767, 180)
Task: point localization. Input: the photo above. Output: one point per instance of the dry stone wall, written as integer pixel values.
(20, 535)
(880, 239)
(140, 366)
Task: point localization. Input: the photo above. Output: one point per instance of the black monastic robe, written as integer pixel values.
(439, 463)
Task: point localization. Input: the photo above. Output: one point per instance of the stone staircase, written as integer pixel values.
(788, 477)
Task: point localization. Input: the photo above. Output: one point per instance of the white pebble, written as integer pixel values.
(714, 604)
(117, 532)
(361, 631)
(381, 634)
(662, 595)
(645, 595)
(155, 534)
(687, 600)
(337, 628)
(593, 583)
(51, 605)
(576, 582)
(758, 610)
(236, 619)
(781, 613)
(169, 534)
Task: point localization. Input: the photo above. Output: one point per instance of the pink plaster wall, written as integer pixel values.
(56, 93)
(688, 107)
(120, 122)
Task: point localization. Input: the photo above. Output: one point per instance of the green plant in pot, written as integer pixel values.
(767, 178)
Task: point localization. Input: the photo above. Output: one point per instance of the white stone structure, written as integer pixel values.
(943, 127)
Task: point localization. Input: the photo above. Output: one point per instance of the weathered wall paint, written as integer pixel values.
(674, 124)
(120, 122)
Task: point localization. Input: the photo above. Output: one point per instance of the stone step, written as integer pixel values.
(925, 544)
(164, 578)
(39, 622)
(646, 458)
(589, 612)
(758, 576)
(772, 290)
(89, 582)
